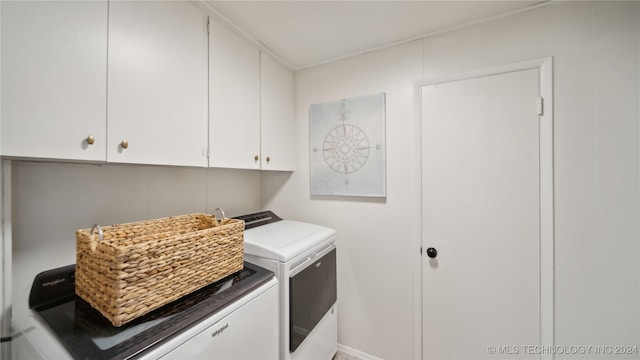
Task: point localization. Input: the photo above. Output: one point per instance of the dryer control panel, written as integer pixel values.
(258, 219)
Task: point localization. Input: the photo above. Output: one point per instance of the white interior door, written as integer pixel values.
(481, 213)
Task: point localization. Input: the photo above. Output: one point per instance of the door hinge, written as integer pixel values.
(420, 250)
(208, 25)
(540, 106)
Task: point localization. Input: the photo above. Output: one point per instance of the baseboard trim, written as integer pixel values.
(357, 353)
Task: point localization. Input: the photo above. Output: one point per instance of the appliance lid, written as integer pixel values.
(284, 240)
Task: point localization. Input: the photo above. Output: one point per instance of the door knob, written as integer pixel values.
(124, 144)
(432, 253)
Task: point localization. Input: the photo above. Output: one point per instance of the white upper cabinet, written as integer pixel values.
(157, 93)
(54, 72)
(234, 98)
(139, 82)
(277, 92)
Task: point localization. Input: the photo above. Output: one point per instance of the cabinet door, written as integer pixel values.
(277, 88)
(234, 100)
(54, 70)
(157, 83)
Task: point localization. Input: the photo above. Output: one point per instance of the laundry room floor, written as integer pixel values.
(344, 356)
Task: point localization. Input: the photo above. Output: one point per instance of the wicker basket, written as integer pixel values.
(125, 271)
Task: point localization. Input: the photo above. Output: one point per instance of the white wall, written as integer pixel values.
(596, 145)
(376, 237)
(596, 50)
(52, 200)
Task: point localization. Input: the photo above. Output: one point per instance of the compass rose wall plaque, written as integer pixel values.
(347, 139)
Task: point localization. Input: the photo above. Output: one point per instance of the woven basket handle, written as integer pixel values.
(100, 233)
(218, 210)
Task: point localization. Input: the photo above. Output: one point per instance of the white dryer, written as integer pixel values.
(303, 257)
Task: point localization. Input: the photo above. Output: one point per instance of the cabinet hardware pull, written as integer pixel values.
(268, 159)
(91, 139)
(256, 158)
(124, 144)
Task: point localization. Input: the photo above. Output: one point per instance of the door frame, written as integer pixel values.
(547, 279)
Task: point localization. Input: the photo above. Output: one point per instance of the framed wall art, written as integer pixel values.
(347, 147)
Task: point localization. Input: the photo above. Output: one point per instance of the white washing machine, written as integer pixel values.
(215, 322)
(303, 257)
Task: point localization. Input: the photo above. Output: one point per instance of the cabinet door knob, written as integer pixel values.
(432, 253)
(124, 144)
(268, 159)
(256, 158)
(91, 139)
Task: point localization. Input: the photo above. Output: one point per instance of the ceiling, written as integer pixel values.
(306, 33)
